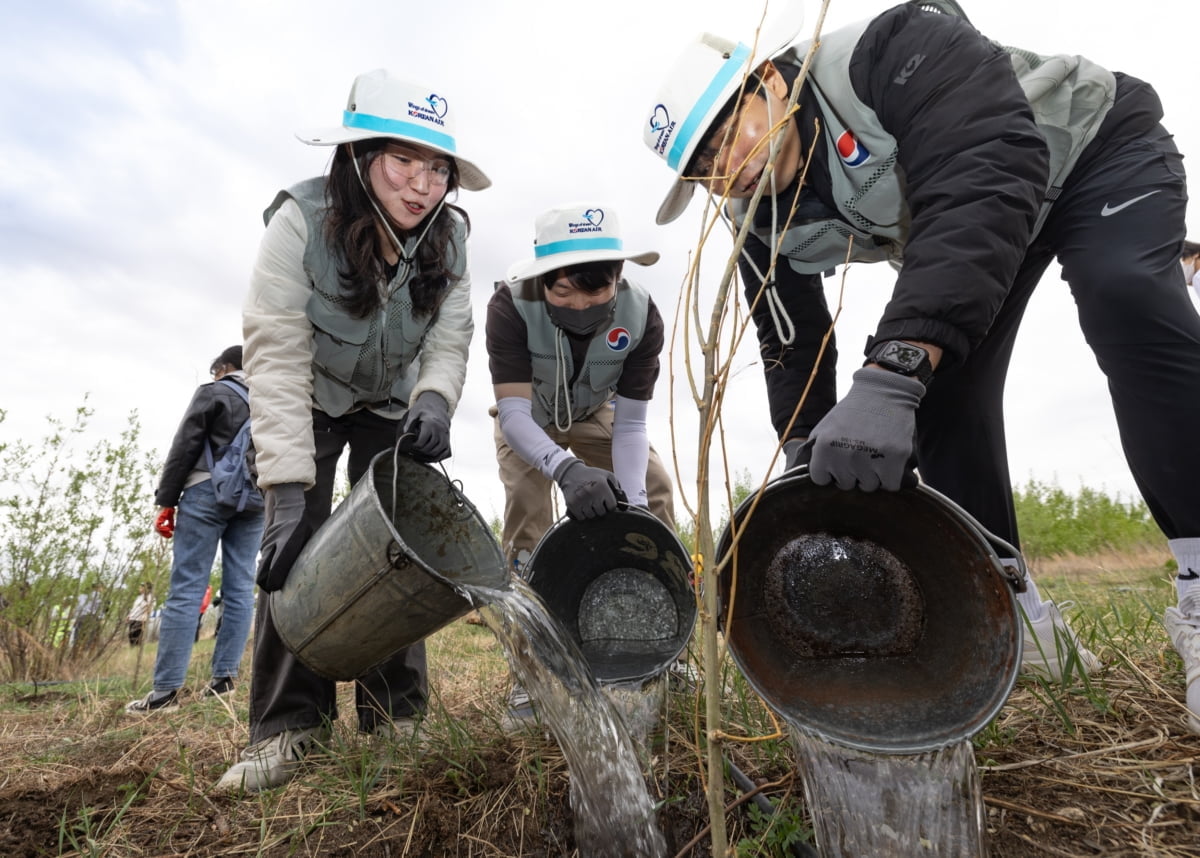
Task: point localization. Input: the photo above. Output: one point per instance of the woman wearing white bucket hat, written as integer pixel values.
(917, 140)
(357, 326)
(573, 349)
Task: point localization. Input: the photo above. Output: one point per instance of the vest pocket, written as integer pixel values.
(338, 340)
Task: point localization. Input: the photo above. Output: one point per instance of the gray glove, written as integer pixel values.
(866, 440)
(428, 423)
(287, 531)
(792, 449)
(589, 492)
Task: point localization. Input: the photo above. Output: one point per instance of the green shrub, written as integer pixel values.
(73, 514)
(1054, 522)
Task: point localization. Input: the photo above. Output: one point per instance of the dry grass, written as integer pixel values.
(1103, 767)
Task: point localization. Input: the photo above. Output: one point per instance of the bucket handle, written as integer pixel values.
(397, 556)
(454, 487)
(1014, 575)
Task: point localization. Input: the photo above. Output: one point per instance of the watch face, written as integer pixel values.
(907, 356)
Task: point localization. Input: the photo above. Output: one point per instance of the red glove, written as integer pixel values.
(165, 523)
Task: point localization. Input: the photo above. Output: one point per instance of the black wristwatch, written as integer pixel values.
(903, 358)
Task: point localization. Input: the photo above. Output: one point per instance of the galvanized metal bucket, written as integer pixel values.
(620, 586)
(882, 621)
(392, 565)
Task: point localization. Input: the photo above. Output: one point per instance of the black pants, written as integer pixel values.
(1124, 273)
(284, 694)
(135, 632)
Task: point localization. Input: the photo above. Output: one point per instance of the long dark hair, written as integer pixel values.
(350, 228)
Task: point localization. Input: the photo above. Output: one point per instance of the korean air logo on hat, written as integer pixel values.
(852, 152)
(589, 221)
(662, 127)
(434, 109)
(618, 339)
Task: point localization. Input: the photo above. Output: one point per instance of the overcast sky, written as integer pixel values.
(142, 139)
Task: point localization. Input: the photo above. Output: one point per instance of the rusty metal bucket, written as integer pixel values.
(393, 564)
(619, 584)
(882, 621)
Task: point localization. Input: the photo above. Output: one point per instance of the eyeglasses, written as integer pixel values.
(403, 165)
(704, 166)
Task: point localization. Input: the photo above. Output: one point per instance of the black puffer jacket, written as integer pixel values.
(974, 165)
(214, 416)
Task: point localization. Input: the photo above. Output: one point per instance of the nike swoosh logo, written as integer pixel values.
(1112, 210)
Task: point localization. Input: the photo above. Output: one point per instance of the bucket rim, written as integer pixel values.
(646, 523)
(803, 717)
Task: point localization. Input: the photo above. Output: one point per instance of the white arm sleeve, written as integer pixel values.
(528, 439)
(631, 448)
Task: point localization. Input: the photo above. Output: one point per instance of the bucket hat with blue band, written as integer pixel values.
(706, 75)
(381, 105)
(572, 235)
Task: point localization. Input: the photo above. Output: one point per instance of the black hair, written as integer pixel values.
(350, 228)
(1190, 248)
(587, 276)
(232, 356)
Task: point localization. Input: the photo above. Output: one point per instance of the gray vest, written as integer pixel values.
(359, 362)
(602, 363)
(1070, 97)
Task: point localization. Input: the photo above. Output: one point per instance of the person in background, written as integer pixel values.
(204, 603)
(1050, 158)
(357, 325)
(89, 617)
(573, 349)
(197, 524)
(140, 613)
(216, 606)
(1190, 260)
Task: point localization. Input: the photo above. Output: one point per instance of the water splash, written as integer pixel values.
(867, 805)
(614, 815)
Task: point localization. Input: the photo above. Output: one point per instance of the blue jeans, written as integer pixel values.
(200, 524)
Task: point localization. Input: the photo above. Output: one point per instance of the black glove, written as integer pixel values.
(287, 532)
(428, 424)
(589, 492)
(866, 440)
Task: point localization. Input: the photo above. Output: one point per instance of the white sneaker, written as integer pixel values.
(1183, 627)
(401, 730)
(1050, 648)
(520, 715)
(684, 676)
(272, 762)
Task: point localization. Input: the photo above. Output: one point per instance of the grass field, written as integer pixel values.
(1101, 765)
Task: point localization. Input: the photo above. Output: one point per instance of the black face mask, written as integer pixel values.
(581, 322)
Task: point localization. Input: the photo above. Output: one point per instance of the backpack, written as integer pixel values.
(232, 480)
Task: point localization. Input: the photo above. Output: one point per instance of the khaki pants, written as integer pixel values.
(528, 510)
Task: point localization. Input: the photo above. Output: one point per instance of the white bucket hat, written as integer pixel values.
(572, 235)
(384, 106)
(700, 83)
